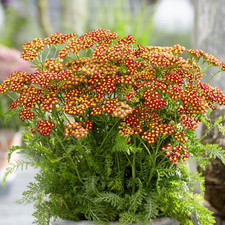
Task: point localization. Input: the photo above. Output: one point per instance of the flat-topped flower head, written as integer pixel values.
(32, 49)
(26, 114)
(76, 130)
(45, 127)
(58, 38)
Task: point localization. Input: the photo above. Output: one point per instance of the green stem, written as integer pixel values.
(206, 68)
(48, 52)
(83, 147)
(145, 146)
(158, 146)
(118, 162)
(161, 162)
(153, 158)
(203, 136)
(55, 113)
(40, 113)
(64, 202)
(55, 53)
(213, 76)
(128, 159)
(133, 173)
(103, 142)
(151, 174)
(69, 156)
(156, 154)
(133, 170)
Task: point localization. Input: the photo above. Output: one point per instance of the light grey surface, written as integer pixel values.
(12, 213)
(162, 221)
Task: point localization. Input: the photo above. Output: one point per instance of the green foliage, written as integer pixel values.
(206, 121)
(15, 23)
(118, 16)
(202, 153)
(177, 201)
(109, 189)
(120, 144)
(8, 119)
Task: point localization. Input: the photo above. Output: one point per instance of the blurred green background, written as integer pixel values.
(152, 22)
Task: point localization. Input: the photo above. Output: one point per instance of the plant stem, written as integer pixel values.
(55, 113)
(161, 162)
(213, 76)
(133, 173)
(203, 136)
(118, 163)
(206, 68)
(83, 147)
(69, 156)
(103, 142)
(151, 175)
(145, 146)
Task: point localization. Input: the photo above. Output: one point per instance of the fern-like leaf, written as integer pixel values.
(151, 207)
(203, 153)
(136, 199)
(121, 145)
(91, 186)
(13, 167)
(113, 199)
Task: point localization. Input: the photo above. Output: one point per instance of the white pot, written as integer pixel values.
(161, 221)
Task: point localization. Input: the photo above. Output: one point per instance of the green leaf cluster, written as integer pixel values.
(103, 178)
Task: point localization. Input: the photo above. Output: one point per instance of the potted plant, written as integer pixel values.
(110, 124)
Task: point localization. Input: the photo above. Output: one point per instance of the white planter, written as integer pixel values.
(161, 221)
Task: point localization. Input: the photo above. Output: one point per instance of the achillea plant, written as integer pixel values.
(111, 124)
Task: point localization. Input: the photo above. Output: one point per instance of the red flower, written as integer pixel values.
(26, 114)
(45, 127)
(75, 129)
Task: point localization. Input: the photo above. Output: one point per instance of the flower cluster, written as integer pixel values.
(156, 131)
(58, 38)
(32, 49)
(76, 130)
(150, 92)
(175, 153)
(26, 114)
(45, 127)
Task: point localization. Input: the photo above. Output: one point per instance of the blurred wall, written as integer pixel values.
(209, 32)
